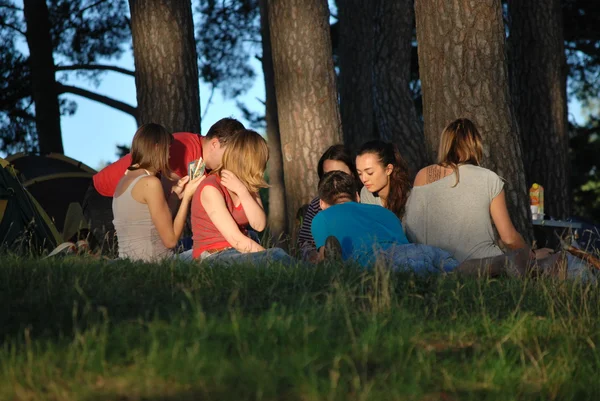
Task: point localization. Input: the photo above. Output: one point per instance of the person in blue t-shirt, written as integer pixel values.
(365, 232)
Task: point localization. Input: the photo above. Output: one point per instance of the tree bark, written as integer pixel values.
(277, 205)
(356, 51)
(464, 74)
(395, 111)
(309, 118)
(105, 100)
(538, 82)
(43, 82)
(166, 66)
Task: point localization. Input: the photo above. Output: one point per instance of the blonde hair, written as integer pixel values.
(246, 156)
(150, 149)
(460, 143)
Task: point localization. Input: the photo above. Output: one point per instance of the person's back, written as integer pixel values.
(361, 229)
(455, 218)
(138, 237)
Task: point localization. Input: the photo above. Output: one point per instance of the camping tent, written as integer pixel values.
(22, 219)
(54, 180)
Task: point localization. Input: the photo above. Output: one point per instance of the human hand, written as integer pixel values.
(232, 182)
(178, 188)
(192, 185)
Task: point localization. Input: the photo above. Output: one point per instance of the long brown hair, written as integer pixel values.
(150, 149)
(400, 184)
(246, 156)
(460, 143)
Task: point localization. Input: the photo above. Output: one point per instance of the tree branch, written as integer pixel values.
(95, 67)
(212, 92)
(90, 6)
(14, 28)
(9, 6)
(122, 106)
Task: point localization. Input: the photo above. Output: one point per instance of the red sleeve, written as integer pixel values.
(106, 180)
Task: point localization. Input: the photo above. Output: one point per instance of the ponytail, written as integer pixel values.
(400, 184)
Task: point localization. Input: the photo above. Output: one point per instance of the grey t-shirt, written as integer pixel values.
(456, 219)
(368, 198)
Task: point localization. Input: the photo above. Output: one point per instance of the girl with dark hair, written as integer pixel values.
(335, 158)
(384, 174)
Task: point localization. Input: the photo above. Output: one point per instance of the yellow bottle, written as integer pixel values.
(536, 197)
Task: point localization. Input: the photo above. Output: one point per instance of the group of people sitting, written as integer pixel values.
(441, 222)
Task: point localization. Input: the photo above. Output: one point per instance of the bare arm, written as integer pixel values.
(508, 234)
(250, 201)
(214, 204)
(254, 210)
(168, 229)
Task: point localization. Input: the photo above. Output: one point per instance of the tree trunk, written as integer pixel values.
(277, 212)
(464, 74)
(309, 118)
(538, 81)
(356, 51)
(43, 82)
(166, 66)
(395, 111)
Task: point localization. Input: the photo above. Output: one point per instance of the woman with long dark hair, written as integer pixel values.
(384, 174)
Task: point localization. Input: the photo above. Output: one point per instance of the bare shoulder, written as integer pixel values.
(210, 193)
(421, 178)
(151, 182)
(431, 174)
(428, 174)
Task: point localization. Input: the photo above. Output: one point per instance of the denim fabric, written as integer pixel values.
(233, 256)
(421, 259)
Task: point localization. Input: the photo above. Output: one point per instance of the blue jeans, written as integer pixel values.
(419, 258)
(233, 256)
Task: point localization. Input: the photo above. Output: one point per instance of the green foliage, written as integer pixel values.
(84, 329)
(228, 35)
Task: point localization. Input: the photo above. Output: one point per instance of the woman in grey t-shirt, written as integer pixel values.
(454, 203)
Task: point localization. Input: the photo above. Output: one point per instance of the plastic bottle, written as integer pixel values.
(536, 198)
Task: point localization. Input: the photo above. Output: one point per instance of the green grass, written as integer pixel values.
(77, 329)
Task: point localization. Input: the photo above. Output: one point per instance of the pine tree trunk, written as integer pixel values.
(463, 73)
(309, 119)
(166, 66)
(538, 81)
(356, 51)
(277, 211)
(43, 82)
(394, 106)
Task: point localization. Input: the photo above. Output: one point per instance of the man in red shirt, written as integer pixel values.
(186, 147)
